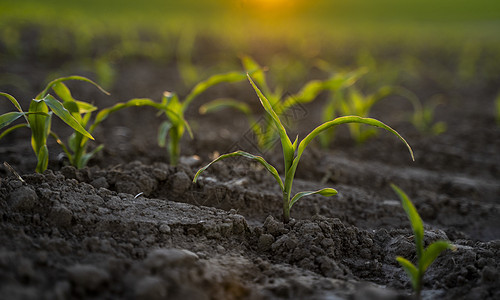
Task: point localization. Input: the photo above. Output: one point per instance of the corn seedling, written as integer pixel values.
(425, 257)
(345, 81)
(266, 136)
(423, 114)
(76, 150)
(174, 109)
(354, 102)
(292, 152)
(39, 118)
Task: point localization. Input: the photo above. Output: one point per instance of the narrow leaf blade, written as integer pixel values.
(219, 104)
(432, 252)
(349, 119)
(12, 100)
(288, 149)
(65, 115)
(411, 270)
(327, 192)
(163, 133)
(43, 159)
(415, 220)
(259, 159)
(9, 117)
(43, 93)
(211, 81)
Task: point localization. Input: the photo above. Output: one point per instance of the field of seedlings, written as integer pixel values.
(252, 157)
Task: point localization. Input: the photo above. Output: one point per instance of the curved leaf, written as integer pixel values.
(328, 192)
(431, 253)
(349, 119)
(219, 104)
(415, 220)
(104, 113)
(9, 117)
(10, 129)
(65, 115)
(13, 100)
(63, 92)
(288, 149)
(43, 93)
(261, 160)
(211, 81)
(411, 270)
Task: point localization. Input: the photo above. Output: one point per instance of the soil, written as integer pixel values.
(131, 226)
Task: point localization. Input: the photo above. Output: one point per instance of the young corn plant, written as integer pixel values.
(174, 110)
(292, 152)
(425, 257)
(39, 119)
(76, 148)
(337, 92)
(264, 132)
(423, 116)
(354, 102)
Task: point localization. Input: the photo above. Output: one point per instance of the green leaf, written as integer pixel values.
(39, 124)
(288, 149)
(72, 107)
(63, 92)
(137, 102)
(43, 93)
(344, 120)
(431, 253)
(10, 129)
(261, 160)
(415, 220)
(252, 67)
(328, 192)
(65, 115)
(85, 158)
(9, 117)
(211, 81)
(13, 100)
(411, 270)
(43, 159)
(219, 104)
(163, 133)
(84, 107)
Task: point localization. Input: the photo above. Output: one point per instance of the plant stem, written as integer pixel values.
(286, 208)
(173, 147)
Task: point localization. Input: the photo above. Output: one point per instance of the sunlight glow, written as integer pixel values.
(274, 7)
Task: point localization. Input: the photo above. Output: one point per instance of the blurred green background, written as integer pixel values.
(229, 17)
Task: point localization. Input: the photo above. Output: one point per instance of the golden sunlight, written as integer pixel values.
(274, 7)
